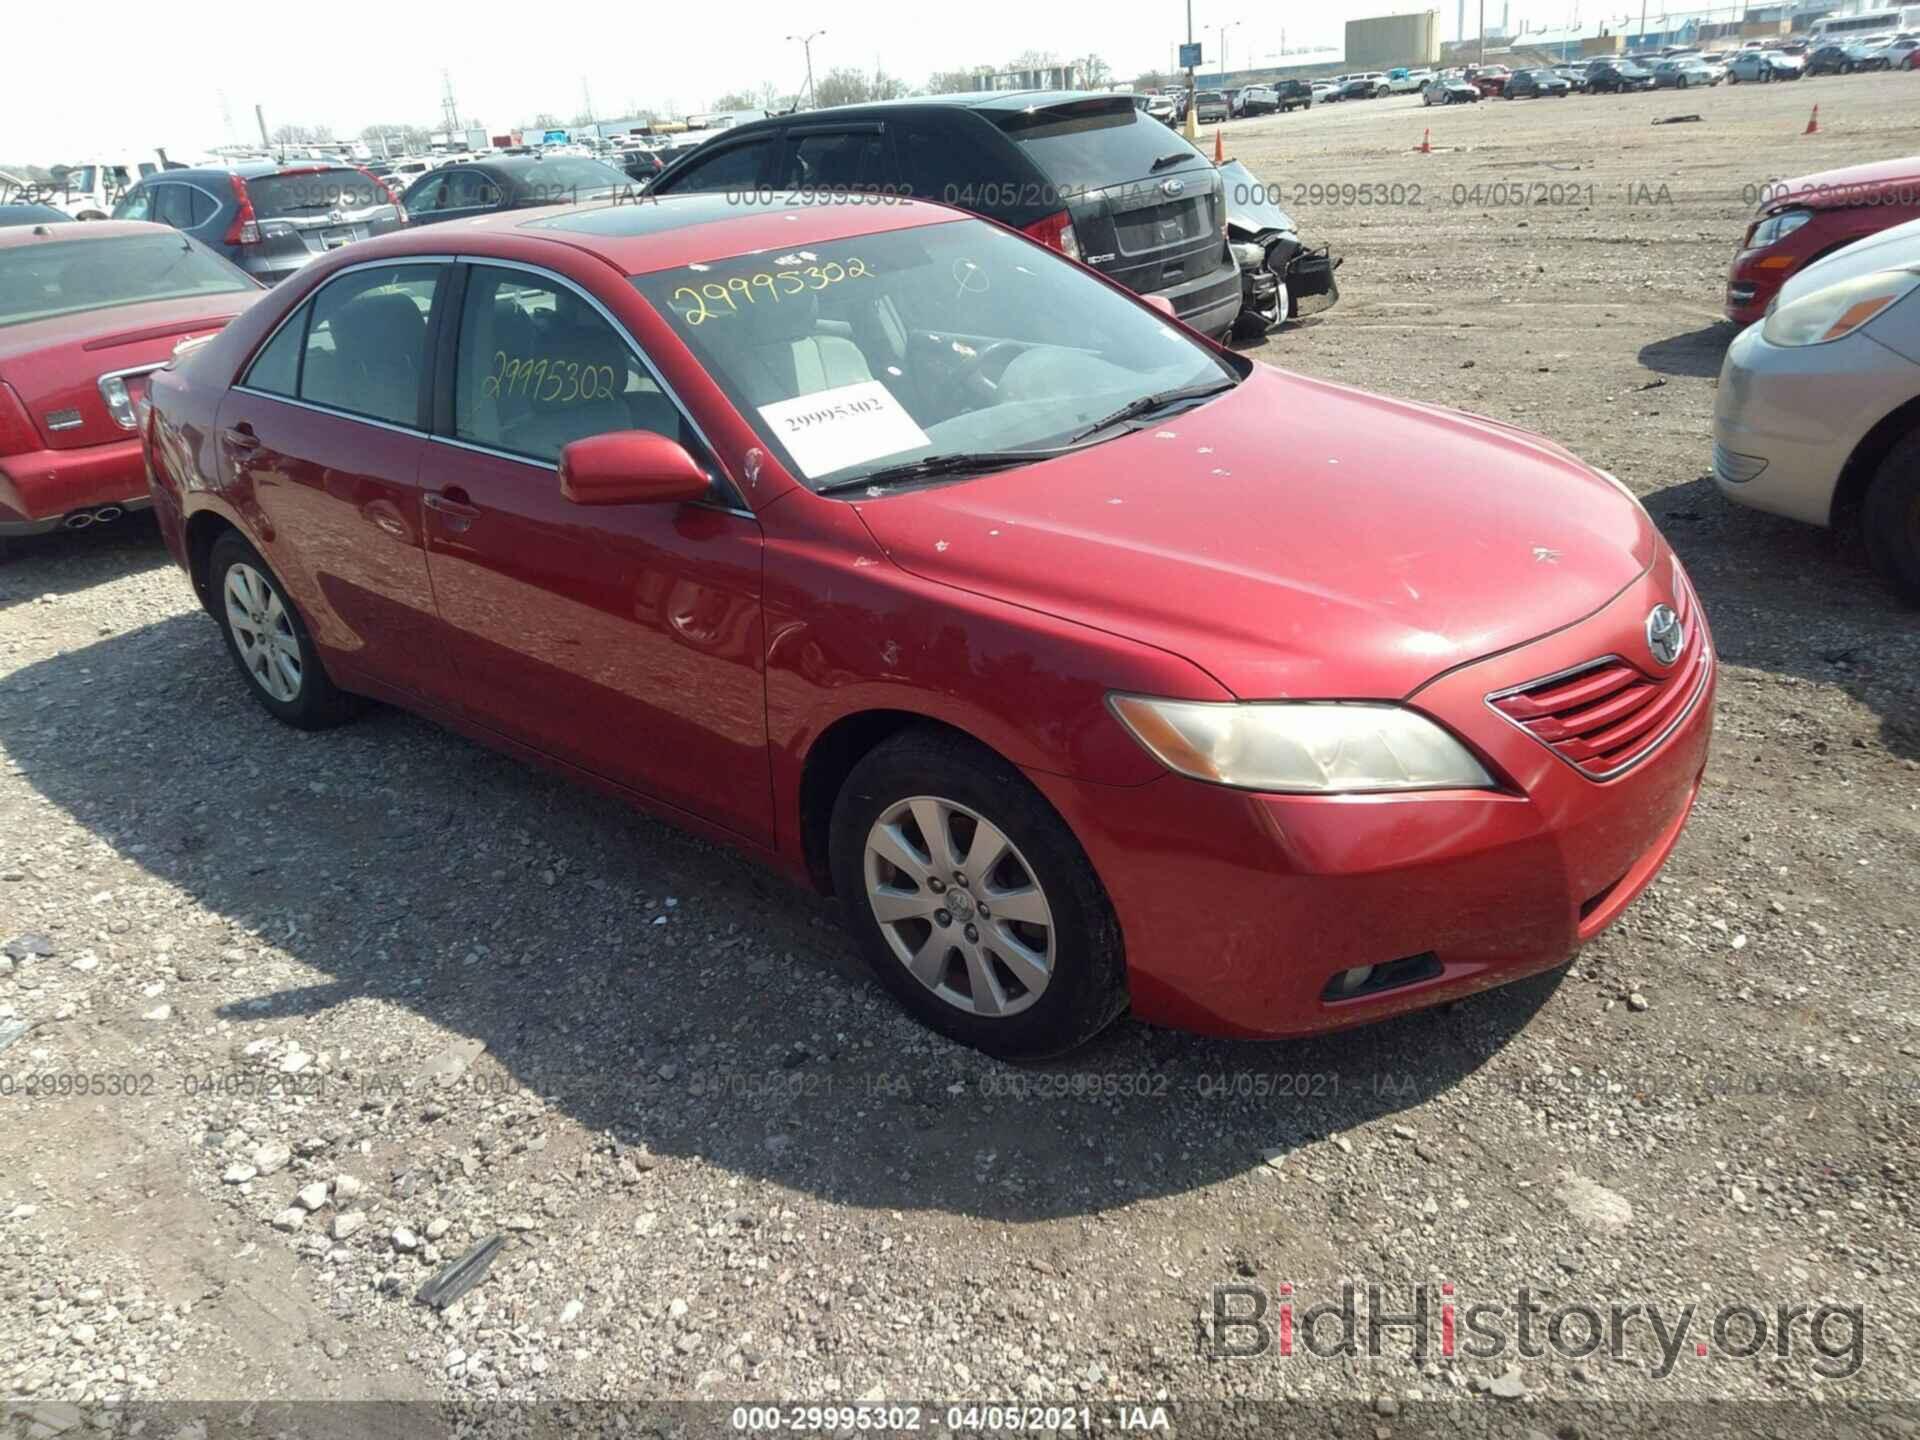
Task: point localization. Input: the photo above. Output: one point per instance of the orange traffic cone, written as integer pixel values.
(1425, 147)
(1219, 149)
(1813, 123)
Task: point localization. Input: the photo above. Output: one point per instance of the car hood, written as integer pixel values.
(1293, 538)
(1879, 180)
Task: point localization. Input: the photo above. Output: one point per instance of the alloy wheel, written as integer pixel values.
(263, 633)
(959, 906)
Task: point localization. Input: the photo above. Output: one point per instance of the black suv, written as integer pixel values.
(1090, 175)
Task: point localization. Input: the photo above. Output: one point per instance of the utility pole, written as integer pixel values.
(261, 116)
(587, 95)
(1483, 30)
(450, 113)
(1223, 49)
(806, 44)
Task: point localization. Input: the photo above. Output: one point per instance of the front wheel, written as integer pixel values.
(973, 901)
(1890, 518)
(269, 642)
(1683, 82)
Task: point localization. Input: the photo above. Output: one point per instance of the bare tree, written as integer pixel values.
(1149, 80)
(737, 100)
(841, 85)
(950, 82)
(1095, 72)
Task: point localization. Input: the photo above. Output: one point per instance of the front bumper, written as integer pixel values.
(1787, 418)
(1237, 909)
(40, 489)
(1756, 276)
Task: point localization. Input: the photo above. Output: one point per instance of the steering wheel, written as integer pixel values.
(983, 372)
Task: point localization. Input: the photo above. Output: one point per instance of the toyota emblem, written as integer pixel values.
(1666, 636)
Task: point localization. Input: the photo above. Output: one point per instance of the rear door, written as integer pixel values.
(1148, 208)
(836, 160)
(324, 436)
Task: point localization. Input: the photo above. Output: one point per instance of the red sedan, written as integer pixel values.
(1800, 221)
(1091, 665)
(87, 312)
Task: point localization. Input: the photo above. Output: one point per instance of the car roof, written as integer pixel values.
(15, 237)
(989, 101)
(650, 233)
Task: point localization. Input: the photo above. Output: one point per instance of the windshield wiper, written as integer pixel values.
(1166, 160)
(963, 462)
(1147, 404)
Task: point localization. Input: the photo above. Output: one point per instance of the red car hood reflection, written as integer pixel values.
(1292, 538)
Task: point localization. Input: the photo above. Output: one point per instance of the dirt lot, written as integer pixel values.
(316, 1014)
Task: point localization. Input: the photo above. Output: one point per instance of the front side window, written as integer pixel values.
(38, 282)
(852, 357)
(366, 342)
(539, 367)
(835, 160)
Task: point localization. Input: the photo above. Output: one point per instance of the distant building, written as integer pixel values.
(1071, 76)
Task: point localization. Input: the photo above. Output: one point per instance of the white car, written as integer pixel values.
(1814, 418)
(1409, 83)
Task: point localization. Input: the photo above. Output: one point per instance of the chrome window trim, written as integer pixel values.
(639, 351)
(550, 466)
(146, 369)
(328, 410)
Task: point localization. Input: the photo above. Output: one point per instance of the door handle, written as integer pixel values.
(241, 437)
(453, 503)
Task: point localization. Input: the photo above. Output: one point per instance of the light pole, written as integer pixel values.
(1192, 129)
(806, 44)
(1222, 29)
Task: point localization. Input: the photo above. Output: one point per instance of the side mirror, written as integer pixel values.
(1162, 304)
(630, 467)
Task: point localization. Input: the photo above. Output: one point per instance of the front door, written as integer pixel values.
(626, 639)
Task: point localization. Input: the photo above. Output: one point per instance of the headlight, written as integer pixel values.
(1311, 748)
(1837, 310)
(1778, 227)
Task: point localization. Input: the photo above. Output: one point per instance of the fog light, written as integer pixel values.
(1349, 981)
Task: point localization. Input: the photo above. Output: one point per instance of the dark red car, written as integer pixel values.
(1799, 221)
(87, 312)
(1090, 664)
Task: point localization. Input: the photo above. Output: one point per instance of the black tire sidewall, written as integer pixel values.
(318, 704)
(1088, 985)
(1886, 518)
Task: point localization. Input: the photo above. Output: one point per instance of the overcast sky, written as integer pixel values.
(351, 63)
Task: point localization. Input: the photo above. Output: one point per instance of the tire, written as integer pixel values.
(926, 771)
(1683, 82)
(306, 700)
(1890, 518)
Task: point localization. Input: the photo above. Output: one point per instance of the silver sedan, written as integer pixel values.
(1818, 412)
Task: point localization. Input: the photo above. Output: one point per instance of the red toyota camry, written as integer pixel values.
(1090, 665)
(87, 312)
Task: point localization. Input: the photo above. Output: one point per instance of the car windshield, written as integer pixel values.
(38, 282)
(303, 194)
(852, 357)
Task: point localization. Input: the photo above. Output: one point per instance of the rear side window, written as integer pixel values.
(1089, 144)
(738, 167)
(276, 369)
(366, 342)
(311, 193)
(957, 160)
(836, 160)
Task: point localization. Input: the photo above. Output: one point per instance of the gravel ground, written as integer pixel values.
(314, 1015)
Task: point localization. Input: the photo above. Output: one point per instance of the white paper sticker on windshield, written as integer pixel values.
(832, 429)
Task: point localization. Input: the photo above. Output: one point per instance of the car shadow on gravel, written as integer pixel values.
(66, 562)
(1801, 603)
(1697, 353)
(668, 996)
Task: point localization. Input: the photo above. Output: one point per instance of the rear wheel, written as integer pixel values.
(1890, 518)
(975, 905)
(269, 642)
